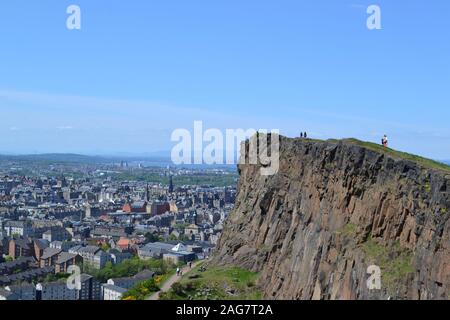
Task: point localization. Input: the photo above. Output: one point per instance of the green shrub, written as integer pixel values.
(394, 261)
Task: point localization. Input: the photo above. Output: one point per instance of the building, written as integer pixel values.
(192, 230)
(87, 211)
(2, 248)
(123, 244)
(24, 291)
(112, 292)
(128, 282)
(100, 259)
(214, 217)
(112, 232)
(49, 257)
(7, 295)
(135, 207)
(144, 275)
(159, 207)
(26, 276)
(19, 228)
(39, 245)
(65, 260)
(92, 255)
(64, 246)
(118, 257)
(115, 287)
(11, 267)
(179, 253)
(163, 220)
(56, 234)
(171, 189)
(124, 282)
(179, 257)
(154, 250)
(20, 248)
(90, 289)
(57, 290)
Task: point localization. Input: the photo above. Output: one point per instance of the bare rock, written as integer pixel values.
(333, 209)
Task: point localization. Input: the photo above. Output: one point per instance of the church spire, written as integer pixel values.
(170, 184)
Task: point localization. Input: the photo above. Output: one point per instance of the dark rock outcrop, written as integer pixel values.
(332, 210)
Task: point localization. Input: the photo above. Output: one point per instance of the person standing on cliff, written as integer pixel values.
(384, 141)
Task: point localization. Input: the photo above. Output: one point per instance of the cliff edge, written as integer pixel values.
(333, 209)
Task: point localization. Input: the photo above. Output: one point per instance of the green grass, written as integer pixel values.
(216, 283)
(141, 290)
(144, 289)
(128, 268)
(395, 262)
(424, 162)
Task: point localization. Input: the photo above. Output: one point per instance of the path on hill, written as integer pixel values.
(173, 279)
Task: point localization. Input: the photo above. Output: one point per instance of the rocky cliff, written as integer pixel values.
(333, 209)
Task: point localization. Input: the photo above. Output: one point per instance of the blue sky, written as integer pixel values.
(137, 70)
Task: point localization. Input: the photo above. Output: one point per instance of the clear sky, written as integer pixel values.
(137, 70)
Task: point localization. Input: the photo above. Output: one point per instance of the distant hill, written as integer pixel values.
(54, 157)
(78, 158)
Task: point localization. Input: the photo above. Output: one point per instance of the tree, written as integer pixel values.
(128, 268)
(151, 237)
(173, 237)
(184, 237)
(141, 290)
(105, 247)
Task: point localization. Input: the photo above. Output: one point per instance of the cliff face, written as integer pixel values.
(332, 210)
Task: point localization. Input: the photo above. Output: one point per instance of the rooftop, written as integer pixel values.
(50, 252)
(65, 256)
(114, 288)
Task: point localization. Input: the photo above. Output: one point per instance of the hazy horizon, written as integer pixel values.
(159, 155)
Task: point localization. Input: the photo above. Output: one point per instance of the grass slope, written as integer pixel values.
(421, 161)
(216, 283)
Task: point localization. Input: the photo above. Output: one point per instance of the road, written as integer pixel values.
(173, 279)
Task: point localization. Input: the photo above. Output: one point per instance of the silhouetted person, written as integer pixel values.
(384, 141)
(305, 135)
(301, 134)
